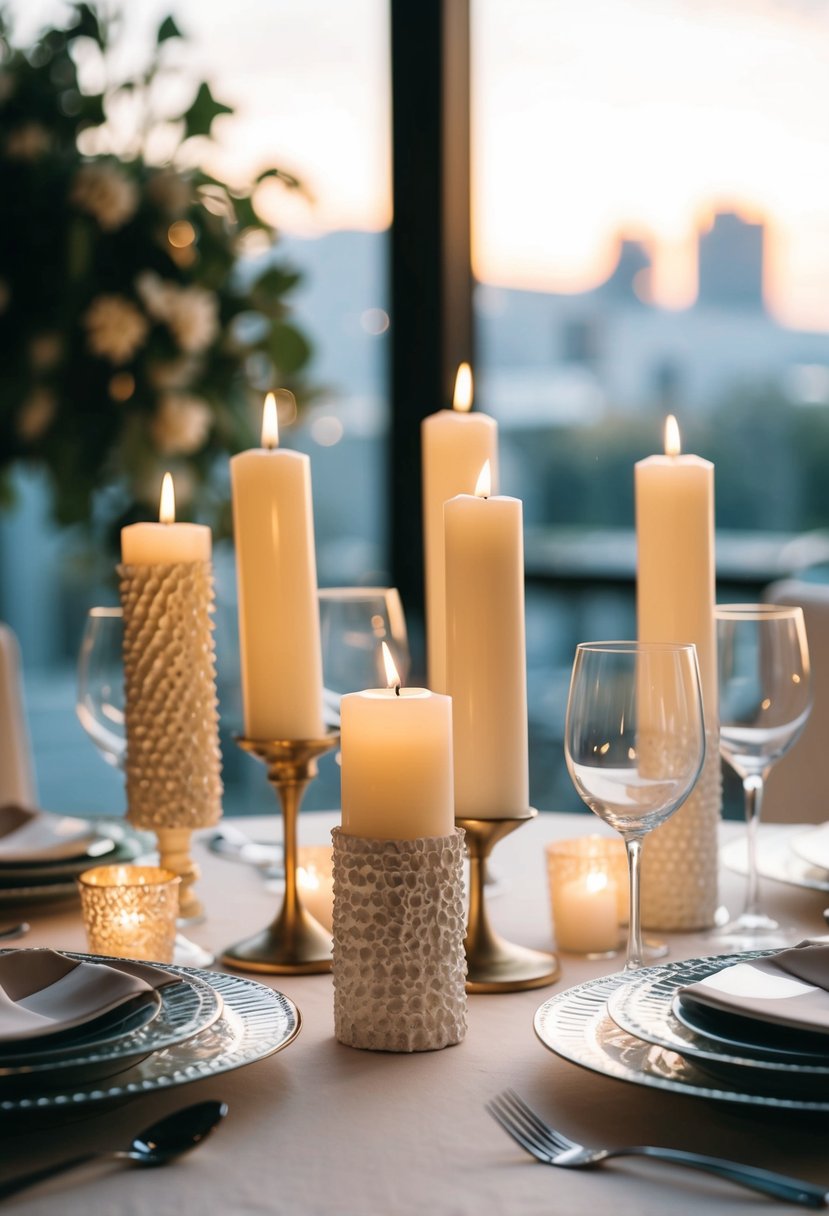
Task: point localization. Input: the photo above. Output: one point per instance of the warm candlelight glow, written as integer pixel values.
(167, 506)
(270, 424)
(483, 486)
(672, 445)
(462, 400)
(392, 674)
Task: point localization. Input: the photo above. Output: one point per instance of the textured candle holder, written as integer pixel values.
(680, 857)
(399, 965)
(295, 943)
(173, 761)
(493, 964)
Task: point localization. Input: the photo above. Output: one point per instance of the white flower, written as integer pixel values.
(190, 313)
(181, 424)
(36, 415)
(28, 141)
(116, 328)
(106, 193)
(193, 318)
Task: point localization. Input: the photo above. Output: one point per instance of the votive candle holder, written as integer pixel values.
(588, 894)
(130, 911)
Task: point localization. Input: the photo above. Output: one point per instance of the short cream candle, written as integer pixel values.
(315, 879)
(397, 772)
(165, 543)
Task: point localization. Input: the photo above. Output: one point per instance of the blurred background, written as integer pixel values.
(649, 233)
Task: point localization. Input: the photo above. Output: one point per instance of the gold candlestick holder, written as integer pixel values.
(493, 964)
(295, 943)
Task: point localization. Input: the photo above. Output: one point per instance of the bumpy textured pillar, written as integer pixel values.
(173, 760)
(680, 858)
(399, 964)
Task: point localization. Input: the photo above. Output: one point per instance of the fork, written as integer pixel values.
(552, 1148)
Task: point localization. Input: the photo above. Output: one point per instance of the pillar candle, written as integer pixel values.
(279, 632)
(165, 543)
(396, 763)
(675, 581)
(455, 443)
(486, 653)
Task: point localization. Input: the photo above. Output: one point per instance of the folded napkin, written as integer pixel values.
(44, 993)
(29, 835)
(788, 989)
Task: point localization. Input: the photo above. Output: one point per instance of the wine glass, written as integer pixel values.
(765, 698)
(353, 623)
(100, 696)
(99, 705)
(634, 743)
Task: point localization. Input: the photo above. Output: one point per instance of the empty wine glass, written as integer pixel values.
(100, 696)
(765, 698)
(634, 743)
(353, 623)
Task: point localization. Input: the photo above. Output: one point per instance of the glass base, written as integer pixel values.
(189, 954)
(749, 931)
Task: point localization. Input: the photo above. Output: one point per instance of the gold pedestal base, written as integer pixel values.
(174, 854)
(493, 964)
(295, 943)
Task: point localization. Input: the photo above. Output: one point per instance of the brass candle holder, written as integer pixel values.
(493, 964)
(295, 943)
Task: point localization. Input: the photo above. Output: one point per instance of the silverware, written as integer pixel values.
(12, 931)
(156, 1145)
(233, 845)
(552, 1148)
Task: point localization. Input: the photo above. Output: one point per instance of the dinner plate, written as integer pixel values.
(812, 847)
(775, 859)
(577, 1026)
(255, 1023)
(188, 1008)
(646, 1007)
(30, 836)
(42, 884)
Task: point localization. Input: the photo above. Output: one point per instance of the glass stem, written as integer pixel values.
(635, 955)
(753, 790)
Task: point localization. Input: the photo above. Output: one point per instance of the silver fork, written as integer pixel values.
(550, 1146)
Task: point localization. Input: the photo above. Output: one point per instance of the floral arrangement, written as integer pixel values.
(134, 336)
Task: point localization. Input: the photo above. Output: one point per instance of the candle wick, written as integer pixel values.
(397, 690)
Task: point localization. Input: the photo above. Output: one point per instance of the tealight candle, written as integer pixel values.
(315, 879)
(130, 911)
(587, 894)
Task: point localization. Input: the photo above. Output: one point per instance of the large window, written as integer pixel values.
(309, 84)
(650, 236)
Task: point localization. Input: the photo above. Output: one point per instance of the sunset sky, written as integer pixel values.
(590, 118)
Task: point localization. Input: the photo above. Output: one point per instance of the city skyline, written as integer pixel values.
(589, 121)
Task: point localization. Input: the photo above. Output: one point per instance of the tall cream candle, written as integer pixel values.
(486, 653)
(276, 572)
(675, 581)
(455, 444)
(396, 762)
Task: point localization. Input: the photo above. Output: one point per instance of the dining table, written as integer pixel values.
(322, 1129)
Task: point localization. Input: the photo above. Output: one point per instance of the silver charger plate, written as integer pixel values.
(775, 858)
(255, 1023)
(188, 1008)
(576, 1025)
(645, 1007)
(43, 884)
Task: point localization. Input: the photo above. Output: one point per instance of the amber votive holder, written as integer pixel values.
(130, 911)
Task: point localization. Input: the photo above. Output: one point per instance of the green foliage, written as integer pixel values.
(129, 340)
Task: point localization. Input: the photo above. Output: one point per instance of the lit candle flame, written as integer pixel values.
(462, 400)
(672, 445)
(270, 423)
(167, 505)
(483, 486)
(392, 674)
